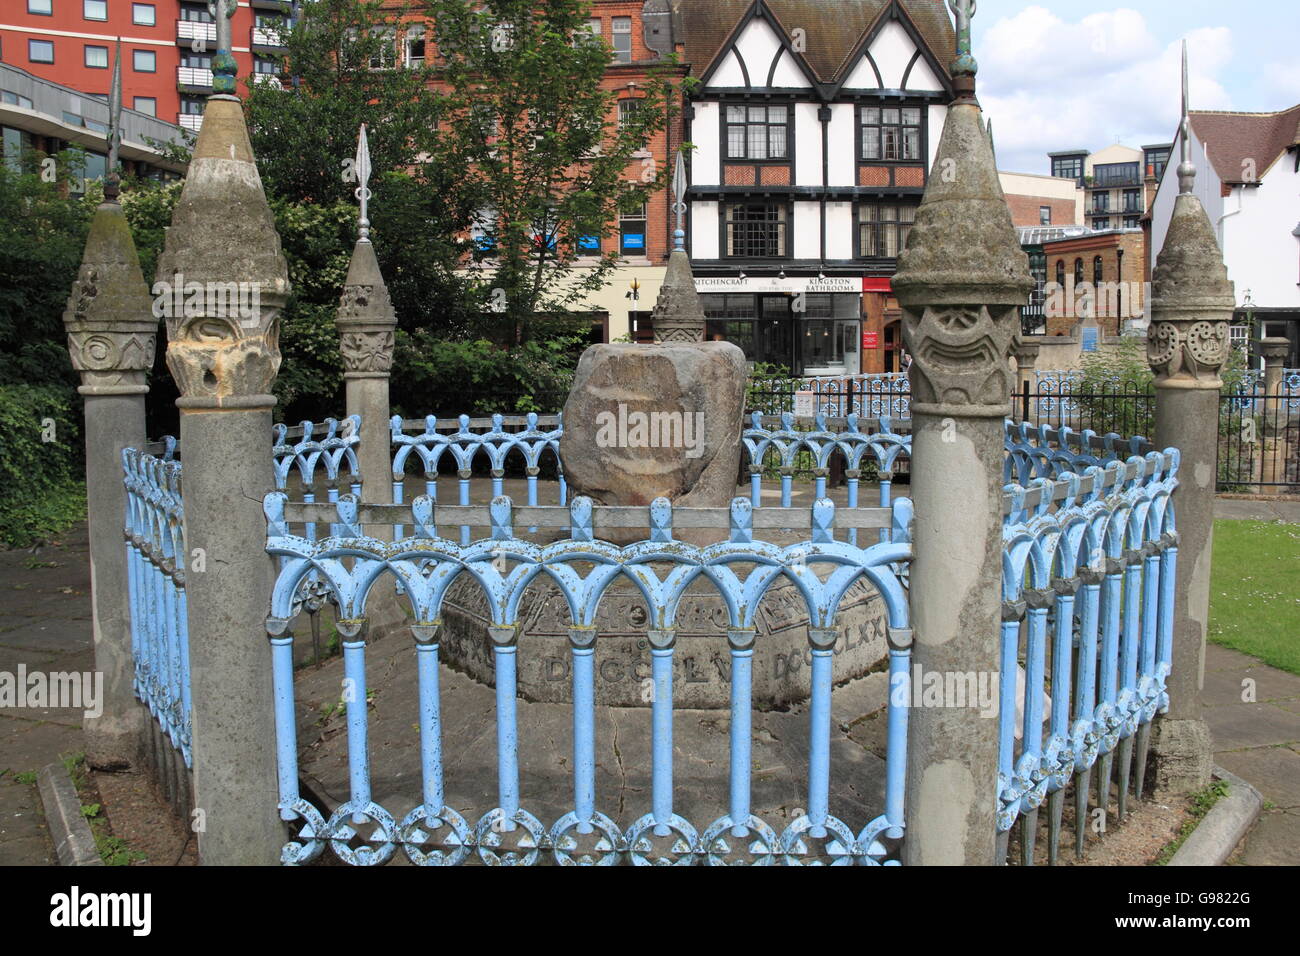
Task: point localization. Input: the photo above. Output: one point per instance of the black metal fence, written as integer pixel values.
(1259, 436)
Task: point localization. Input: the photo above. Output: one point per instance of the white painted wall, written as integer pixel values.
(807, 231)
(808, 145)
(839, 230)
(787, 75)
(923, 78)
(842, 149)
(937, 115)
(706, 158)
(729, 72)
(892, 49)
(704, 230)
(1263, 257)
(863, 77)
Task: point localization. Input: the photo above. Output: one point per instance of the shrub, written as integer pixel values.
(41, 490)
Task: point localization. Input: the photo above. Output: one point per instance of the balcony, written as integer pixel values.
(193, 76)
(190, 121)
(1116, 175)
(190, 30)
(267, 79)
(268, 36)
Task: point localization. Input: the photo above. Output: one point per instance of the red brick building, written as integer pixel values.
(167, 48)
(1096, 276)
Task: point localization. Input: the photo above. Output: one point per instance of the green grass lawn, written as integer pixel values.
(1255, 590)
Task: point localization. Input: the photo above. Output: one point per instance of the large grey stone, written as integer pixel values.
(782, 660)
(650, 421)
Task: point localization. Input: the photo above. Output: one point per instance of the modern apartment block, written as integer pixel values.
(167, 48)
(1036, 200)
(37, 116)
(1115, 181)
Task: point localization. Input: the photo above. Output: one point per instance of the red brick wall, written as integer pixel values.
(1024, 210)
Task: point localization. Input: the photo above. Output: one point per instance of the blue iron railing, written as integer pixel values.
(661, 567)
(1089, 565)
(155, 560)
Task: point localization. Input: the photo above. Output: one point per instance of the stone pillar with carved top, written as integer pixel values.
(224, 354)
(1275, 449)
(112, 336)
(960, 282)
(1192, 303)
(366, 323)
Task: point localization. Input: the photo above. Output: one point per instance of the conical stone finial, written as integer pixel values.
(222, 278)
(678, 314)
(1192, 299)
(112, 329)
(962, 278)
(366, 319)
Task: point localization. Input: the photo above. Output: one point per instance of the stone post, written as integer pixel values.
(223, 350)
(366, 323)
(1026, 363)
(960, 281)
(1187, 343)
(1275, 450)
(111, 338)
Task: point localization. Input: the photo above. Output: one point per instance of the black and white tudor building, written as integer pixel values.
(813, 127)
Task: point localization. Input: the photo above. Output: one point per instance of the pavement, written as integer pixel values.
(44, 625)
(1253, 711)
(1258, 509)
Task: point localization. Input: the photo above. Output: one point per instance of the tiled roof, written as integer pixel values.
(1233, 139)
(834, 28)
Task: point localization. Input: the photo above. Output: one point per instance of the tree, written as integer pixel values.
(539, 151)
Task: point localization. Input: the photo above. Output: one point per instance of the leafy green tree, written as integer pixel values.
(539, 152)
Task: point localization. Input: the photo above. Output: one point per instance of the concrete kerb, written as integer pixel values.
(73, 842)
(1224, 827)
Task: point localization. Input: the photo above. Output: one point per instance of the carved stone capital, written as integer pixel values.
(222, 275)
(1274, 351)
(959, 358)
(1026, 353)
(367, 351)
(365, 319)
(1194, 352)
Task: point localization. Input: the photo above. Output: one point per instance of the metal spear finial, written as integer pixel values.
(112, 176)
(1186, 168)
(964, 67)
(361, 166)
(679, 205)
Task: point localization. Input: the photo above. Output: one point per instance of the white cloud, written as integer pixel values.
(1049, 84)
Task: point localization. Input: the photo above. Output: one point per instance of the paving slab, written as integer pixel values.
(1238, 726)
(1273, 771)
(1257, 510)
(1264, 684)
(1274, 841)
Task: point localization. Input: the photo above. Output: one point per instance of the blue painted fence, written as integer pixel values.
(1090, 558)
(661, 567)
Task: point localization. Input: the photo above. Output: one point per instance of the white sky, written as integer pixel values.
(1055, 75)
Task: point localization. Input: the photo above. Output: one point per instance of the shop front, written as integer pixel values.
(813, 327)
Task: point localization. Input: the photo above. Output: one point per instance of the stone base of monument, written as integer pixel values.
(702, 664)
